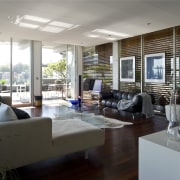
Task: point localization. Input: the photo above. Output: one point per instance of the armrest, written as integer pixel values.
(24, 141)
(137, 100)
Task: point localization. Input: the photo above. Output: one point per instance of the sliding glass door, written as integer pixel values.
(21, 81)
(15, 71)
(5, 69)
(56, 72)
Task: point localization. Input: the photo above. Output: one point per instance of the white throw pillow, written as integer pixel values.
(6, 113)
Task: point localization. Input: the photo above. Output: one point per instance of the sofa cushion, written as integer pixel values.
(20, 113)
(6, 113)
(72, 135)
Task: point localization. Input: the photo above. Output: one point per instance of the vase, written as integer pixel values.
(173, 129)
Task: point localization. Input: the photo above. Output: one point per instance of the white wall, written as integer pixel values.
(115, 70)
(77, 71)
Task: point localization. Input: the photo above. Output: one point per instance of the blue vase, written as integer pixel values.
(79, 101)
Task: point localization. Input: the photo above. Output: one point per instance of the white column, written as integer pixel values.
(76, 72)
(115, 69)
(36, 70)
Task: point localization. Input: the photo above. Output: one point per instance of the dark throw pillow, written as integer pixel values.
(20, 113)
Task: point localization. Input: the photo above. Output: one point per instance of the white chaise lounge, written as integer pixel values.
(26, 141)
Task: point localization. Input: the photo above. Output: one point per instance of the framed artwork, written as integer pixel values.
(127, 69)
(155, 68)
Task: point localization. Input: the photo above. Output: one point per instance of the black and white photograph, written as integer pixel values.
(155, 68)
(127, 69)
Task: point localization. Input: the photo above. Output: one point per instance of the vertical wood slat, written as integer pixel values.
(131, 47)
(159, 42)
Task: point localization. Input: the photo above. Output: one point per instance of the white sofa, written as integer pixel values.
(26, 141)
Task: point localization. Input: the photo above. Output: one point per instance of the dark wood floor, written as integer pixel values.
(117, 159)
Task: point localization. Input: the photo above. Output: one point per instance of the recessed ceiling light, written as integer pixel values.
(103, 31)
(36, 19)
(111, 38)
(27, 25)
(60, 24)
(52, 29)
(93, 35)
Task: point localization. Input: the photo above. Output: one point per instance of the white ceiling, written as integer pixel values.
(132, 17)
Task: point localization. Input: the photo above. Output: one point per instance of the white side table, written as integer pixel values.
(159, 157)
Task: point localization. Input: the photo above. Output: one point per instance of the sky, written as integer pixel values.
(23, 55)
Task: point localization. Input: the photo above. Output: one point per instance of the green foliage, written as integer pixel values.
(6, 174)
(2, 81)
(57, 69)
(85, 75)
(99, 67)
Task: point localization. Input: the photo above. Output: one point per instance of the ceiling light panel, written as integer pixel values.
(93, 35)
(74, 26)
(103, 31)
(36, 19)
(111, 39)
(52, 29)
(61, 24)
(27, 25)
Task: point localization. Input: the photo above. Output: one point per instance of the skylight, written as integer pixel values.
(60, 24)
(42, 24)
(52, 29)
(27, 25)
(36, 19)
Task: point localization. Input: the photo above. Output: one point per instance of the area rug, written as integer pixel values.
(96, 120)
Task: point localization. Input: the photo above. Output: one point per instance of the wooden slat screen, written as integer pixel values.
(96, 63)
(160, 42)
(131, 47)
(155, 42)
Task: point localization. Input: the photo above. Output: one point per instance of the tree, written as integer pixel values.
(57, 70)
(5, 68)
(20, 67)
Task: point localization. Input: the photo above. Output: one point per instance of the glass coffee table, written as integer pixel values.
(87, 113)
(94, 115)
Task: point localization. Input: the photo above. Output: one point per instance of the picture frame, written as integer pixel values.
(127, 69)
(175, 68)
(155, 68)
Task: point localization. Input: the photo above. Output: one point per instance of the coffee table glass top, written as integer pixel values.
(87, 113)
